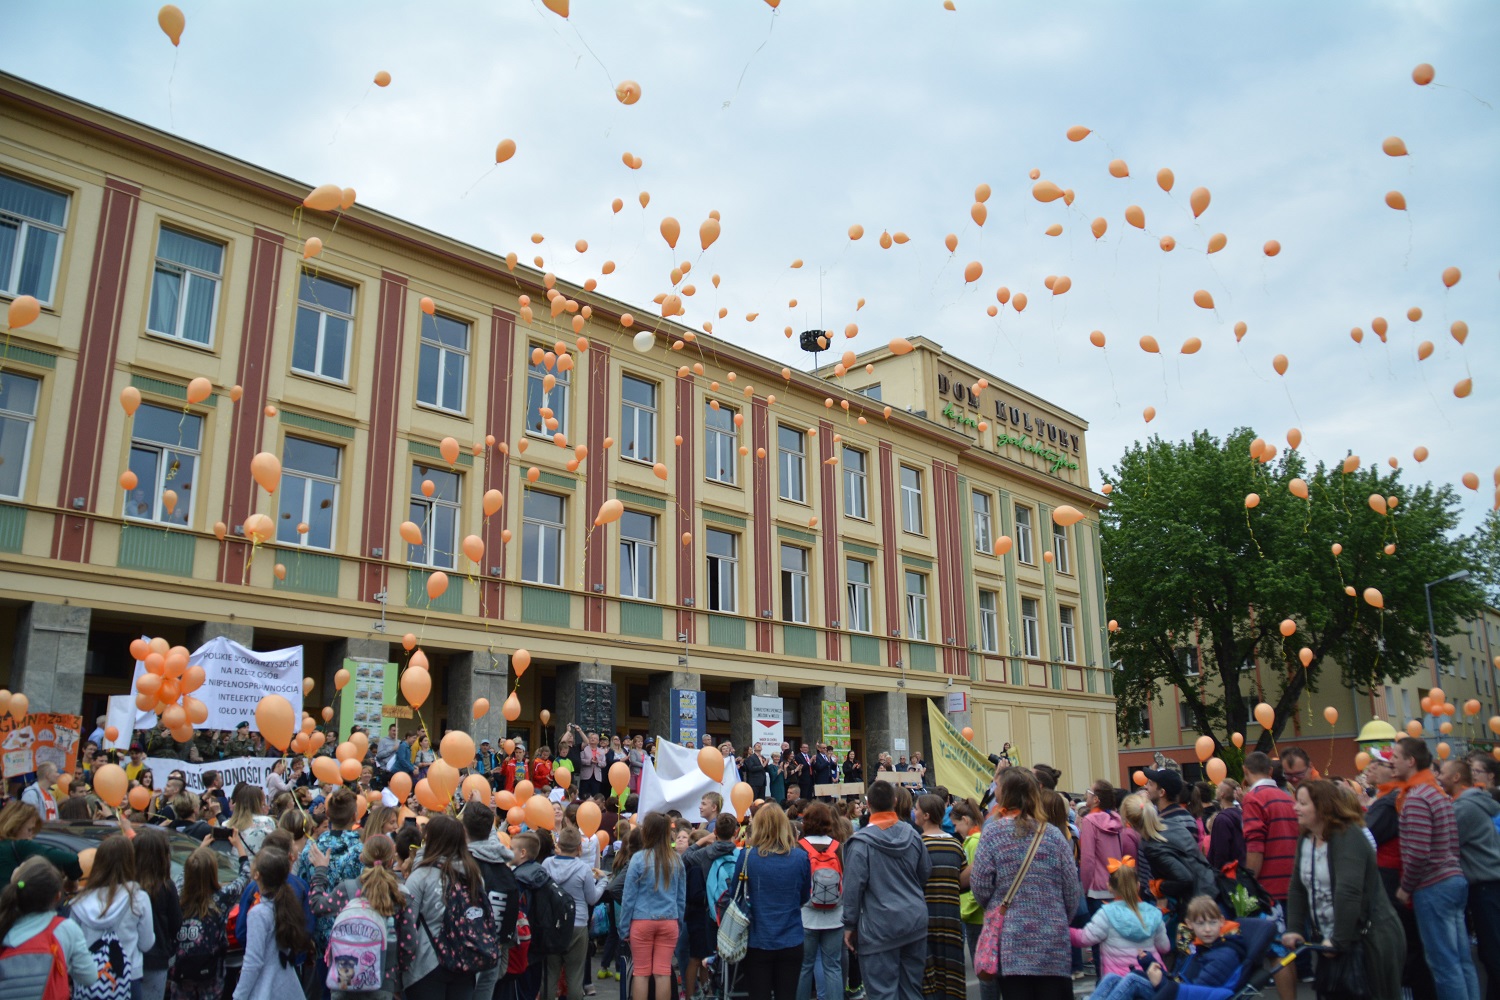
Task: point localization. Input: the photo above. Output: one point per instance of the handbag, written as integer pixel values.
(987, 950)
(1344, 976)
(734, 927)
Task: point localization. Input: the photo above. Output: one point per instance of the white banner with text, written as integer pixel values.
(236, 679)
(231, 771)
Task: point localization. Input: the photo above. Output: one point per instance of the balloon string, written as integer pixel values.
(741, 80)
(477, 180)
(1252, 533)
(351, 111)
(171, 110)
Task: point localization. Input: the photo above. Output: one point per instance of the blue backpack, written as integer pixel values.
(720, 875)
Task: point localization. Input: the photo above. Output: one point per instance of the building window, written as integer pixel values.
(1031, 645)
(916, 606)
(793, 584)
(1069, 651)
(164, 449)
(31, 227)
(185, 287)
(542, 538)
(325, 319)
(547, 409)
(793, 447)
(721, 442)
(1185, 721)
(858, 572)
(18, 396)
(436, 515)
(1187, 660)
(1023, 534)
(1061, 558)
(989, 621)
(1390, 701)
(443, 363)
(984, 535)
(1406, 704)
(911, 500)
(637, 419)
(870, 391)
(856, 484)
(638, 556)
(309, 493)
(723, 570)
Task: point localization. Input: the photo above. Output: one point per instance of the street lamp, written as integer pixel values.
(1462, 574)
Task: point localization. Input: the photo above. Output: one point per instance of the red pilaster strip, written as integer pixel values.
(761, 532)
(687, 485)
(380, 466)
(497, 464)
(892, 560)
(596, 485)
(83, 452)
(828, 522)
(257, 333)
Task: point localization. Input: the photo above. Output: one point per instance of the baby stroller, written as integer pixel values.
(1255, 976)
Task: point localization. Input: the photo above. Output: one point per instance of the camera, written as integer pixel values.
(1004, 754)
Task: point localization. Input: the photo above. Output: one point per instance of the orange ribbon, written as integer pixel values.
(1115, 864)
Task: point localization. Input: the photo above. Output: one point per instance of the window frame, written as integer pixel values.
(1062, 556)
(635, 413)
(545, 529)
(725, 569)
(796, 585)
(298, 540)
(715, 438)
(162, 449)
(909, 496)
(562, 386)
(916, 605)
(29, 420)
(1031, 629)
(638, 549)
(859, 597)
(989, 622)
(859, 478)
(10, 284)
(324, 312)
(429, 517)
(784, 466)
(187, 274)
(1025, 552)
(984, 522)
(1067, 638)
(443, 352)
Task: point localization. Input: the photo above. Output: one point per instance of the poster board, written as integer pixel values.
(40, 738)
(899, 777)
(767, 724)
(363, 702)
(687, 718)
(836, 726)
(235, 680)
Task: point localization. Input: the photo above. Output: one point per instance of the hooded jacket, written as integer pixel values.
(127, 916)
(698, 860)
(1210, 972)
(494, 860)
(1478, 839)
(1121, 932)
(885, 874)
(1101, 836)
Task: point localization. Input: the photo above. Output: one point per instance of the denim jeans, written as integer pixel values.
(830, 945)
(1484, 915)
(1445, 939)
(1117, 987)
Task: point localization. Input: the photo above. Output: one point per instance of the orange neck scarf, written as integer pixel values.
(1227, 927)
(883, 821)
(1422, 777)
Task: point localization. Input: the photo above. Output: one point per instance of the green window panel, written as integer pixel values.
(157, 550)
(726, 632)
(310, 572)
(12, 527)
(544, 606)
(644, 620)
(797, 641)
(864, 649)
(452, 601)
(921, 656)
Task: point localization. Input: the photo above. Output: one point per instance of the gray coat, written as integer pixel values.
(1359, 898)
(1478, 839)
(885, 879)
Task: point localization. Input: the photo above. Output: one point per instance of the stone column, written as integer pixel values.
(585, 695)
(471, 676)
(811, 708)
(199, 633)
(52, 645)
(885, 723)
(663, 709)
(741, 721)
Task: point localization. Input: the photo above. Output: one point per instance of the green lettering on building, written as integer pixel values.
(962, 418)
(1059, 461)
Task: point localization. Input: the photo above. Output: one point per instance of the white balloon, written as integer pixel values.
(644, 341)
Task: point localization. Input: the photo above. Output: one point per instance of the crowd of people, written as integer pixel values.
(346, 891)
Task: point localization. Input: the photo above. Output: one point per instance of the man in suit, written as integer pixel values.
(805, 779)
(824, 767)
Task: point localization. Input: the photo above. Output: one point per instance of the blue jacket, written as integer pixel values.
(645, 899)
(242, 922)
(403, 758)
(1210, 973)
(779, 885)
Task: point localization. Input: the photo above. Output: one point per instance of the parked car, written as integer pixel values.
(80, 836)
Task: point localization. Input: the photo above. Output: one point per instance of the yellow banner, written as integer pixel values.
(956, 763)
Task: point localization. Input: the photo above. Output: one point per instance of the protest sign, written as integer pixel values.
(40, 738)
(236, 679)
(232, 771)
(956, 764)
(767, 724)
(674, 781)
(687, 726)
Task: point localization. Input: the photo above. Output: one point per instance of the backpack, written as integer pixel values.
(549, 912)
(232, 922)
(827, 876)
(113, 982)
(200, 951)
(357, 945)
(505, 903)
(717, 883)
(35, 969)
(468, 941)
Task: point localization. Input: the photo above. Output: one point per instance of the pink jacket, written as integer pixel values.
(1101, 836)
(592, 761)
(1121, 935)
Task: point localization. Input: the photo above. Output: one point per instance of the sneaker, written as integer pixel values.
(603, 973)
(858, 993)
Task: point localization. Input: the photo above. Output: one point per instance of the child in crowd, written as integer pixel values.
(378, 886)
(28, 911)
(197, 970)
(113, 904)
(581, 881)
(1125, 927)
(277, 942)
(1209, 970)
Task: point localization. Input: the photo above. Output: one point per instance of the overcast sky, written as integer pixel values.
(797, 123)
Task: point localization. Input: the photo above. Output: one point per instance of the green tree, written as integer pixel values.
(1200, 583)
(1485, 553)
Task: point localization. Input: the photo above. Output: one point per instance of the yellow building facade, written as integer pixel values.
(776, 551)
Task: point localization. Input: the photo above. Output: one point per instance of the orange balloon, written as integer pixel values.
(1204, 748)
(1216, 770)
(741, 797)
(275, 720)
(711, 763)
(172, 23)
(1203, 300)
(1374, 598)
(476, 786)
(563, 778)
(1139, 778)
(24, 310)
(1135, 216)
(481, 708)
(443, 778)
(437, 585)
(1238, 739)
(326, 770)
(349, 770)
(524, 791)
(1199, 200)
(400, 785)
(140, 798)
(671, 229)
(504, 150)
(110, 784)
(972, 271)
(539, 814)
(457, 748)
(619, 776)
(519, 661)
(1265, 714)
(1117, 168)
(429, 798)
(416, 685)
(265, 468)
(968, 733)
(588, 819)
(510, 711)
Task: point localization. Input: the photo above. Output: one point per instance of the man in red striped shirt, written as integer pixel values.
(1270, 822)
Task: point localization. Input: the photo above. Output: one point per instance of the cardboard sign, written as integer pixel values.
(40, 738)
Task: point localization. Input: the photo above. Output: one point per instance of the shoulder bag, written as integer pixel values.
(734, 927)
(987, 951)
